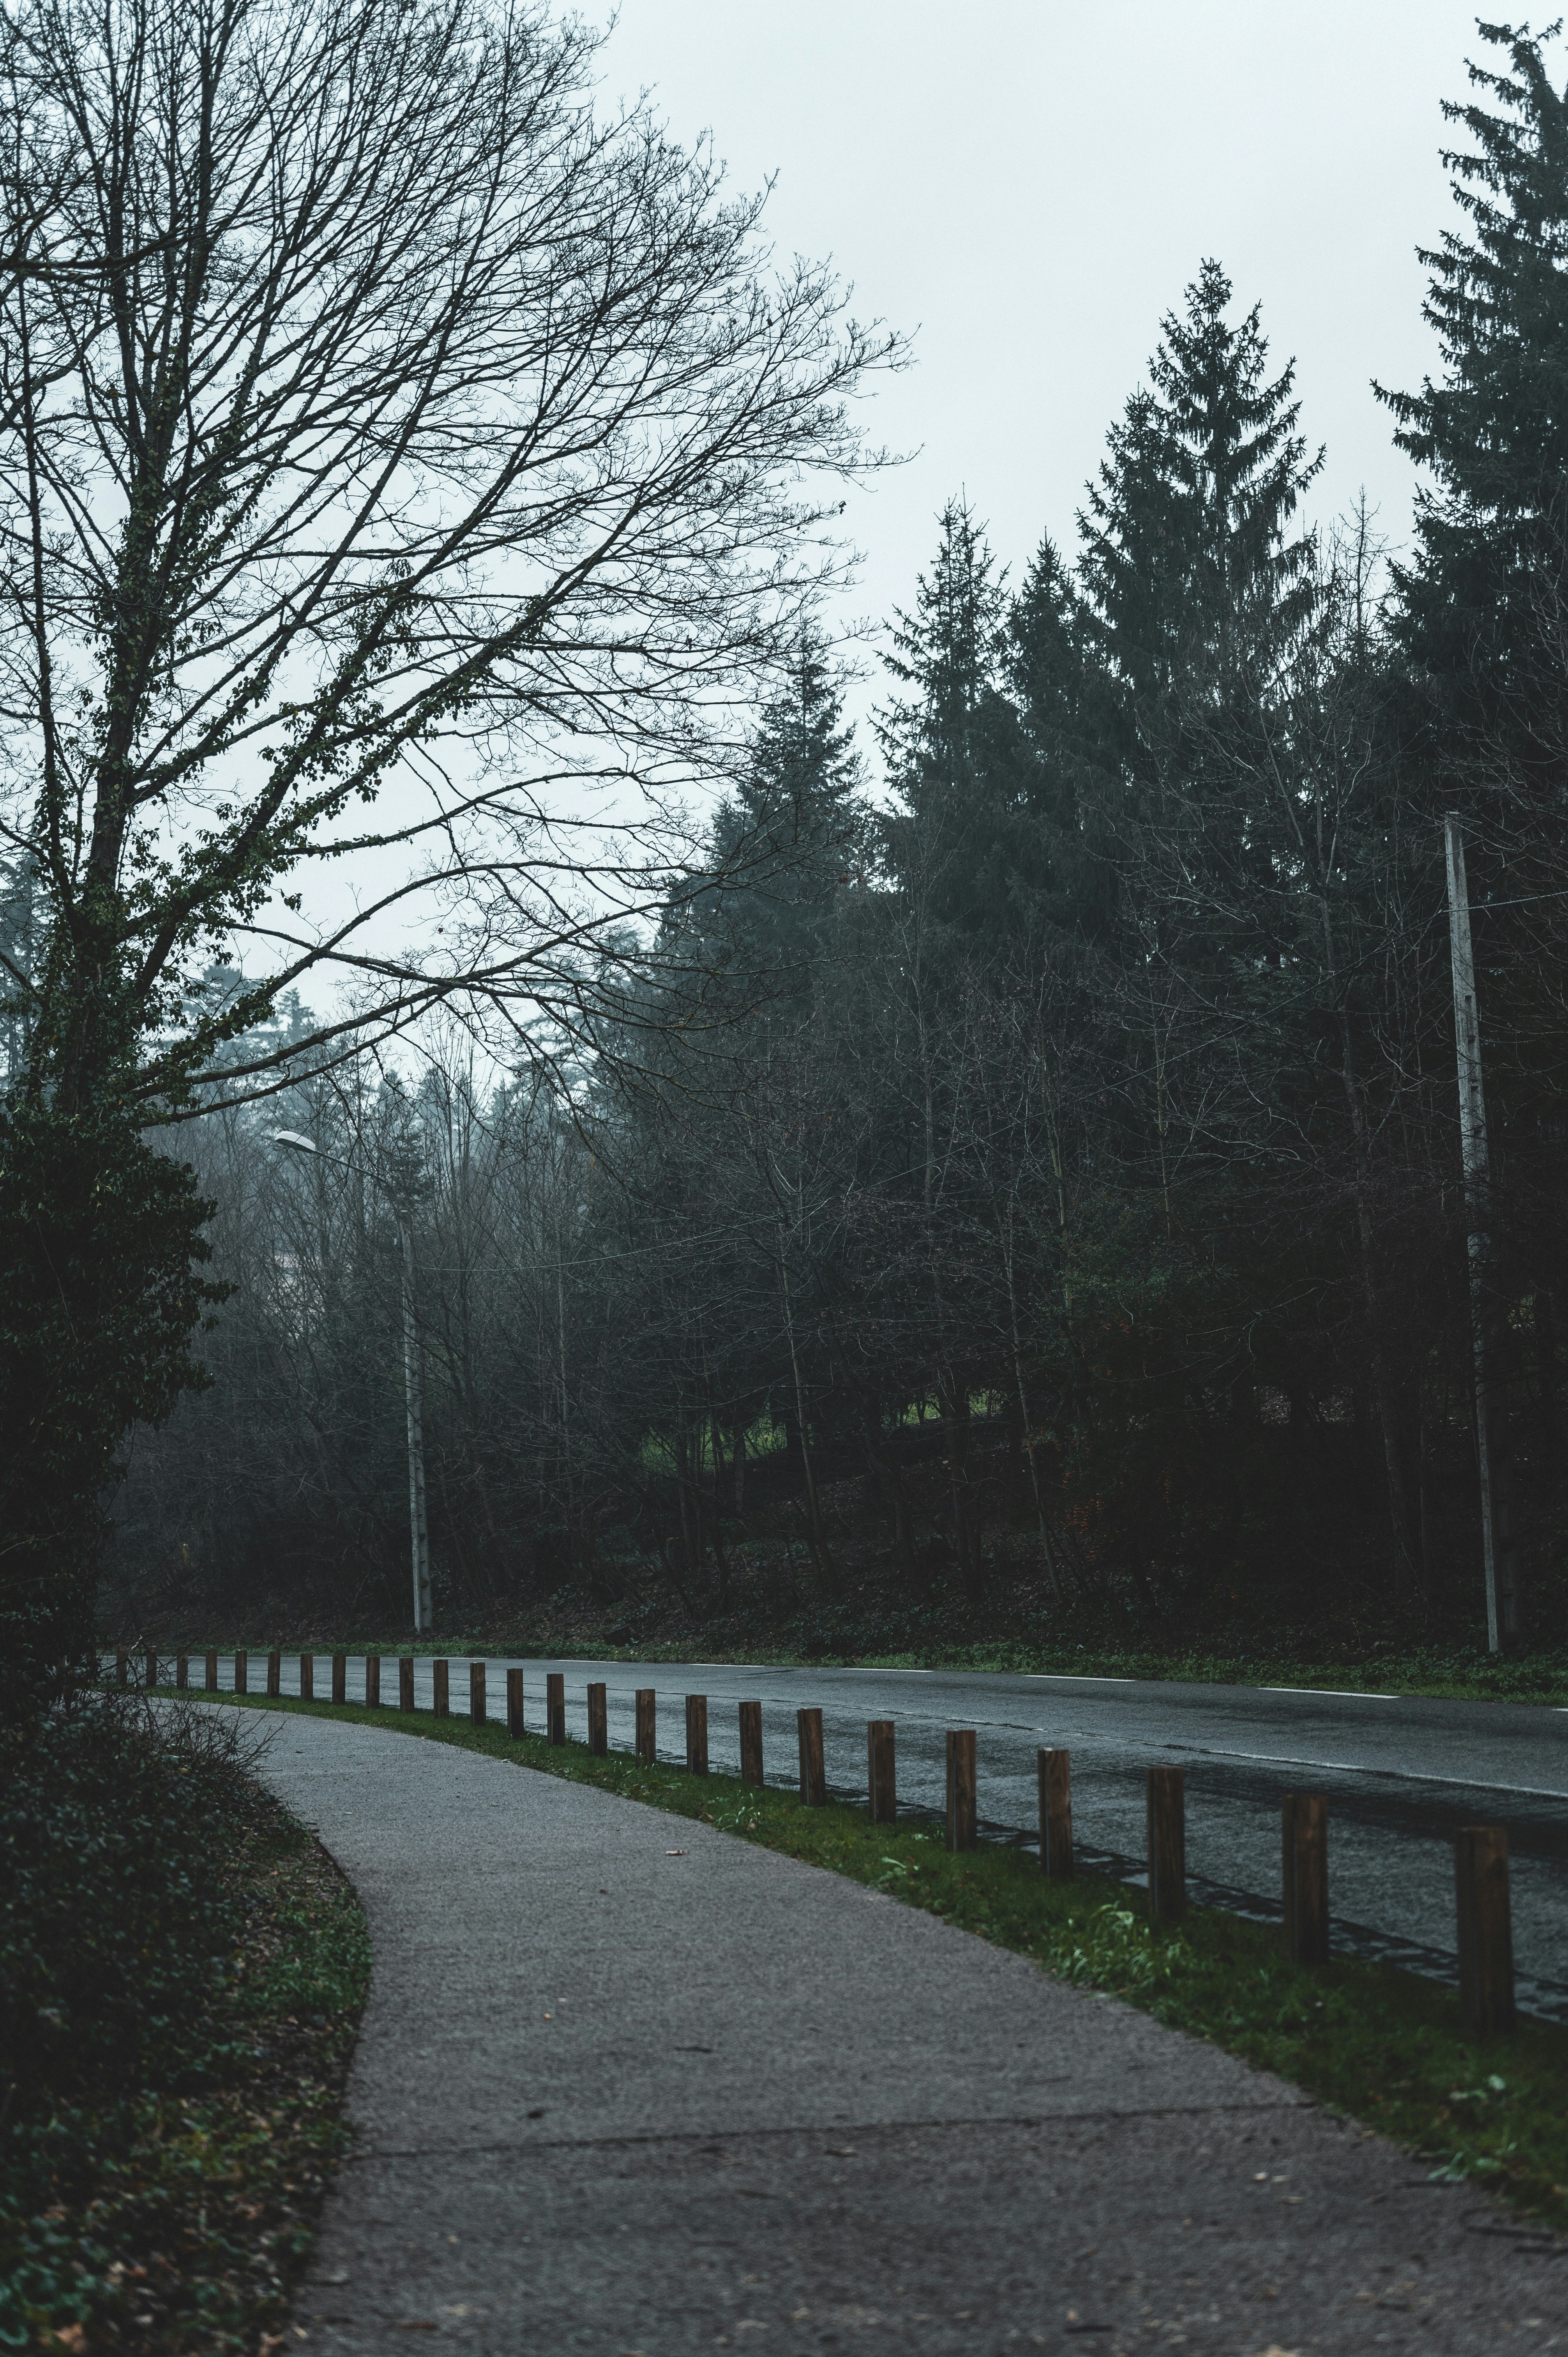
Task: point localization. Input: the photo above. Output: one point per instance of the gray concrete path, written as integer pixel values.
(629, 2085)
(1401, 1773)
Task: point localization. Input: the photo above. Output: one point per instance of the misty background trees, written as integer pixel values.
(407, 474)
(996, 1167)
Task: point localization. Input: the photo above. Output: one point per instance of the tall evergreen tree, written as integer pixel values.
(953, 742)
(795, 829)
(1192, 579)
(1196, 594)
(1480, 606)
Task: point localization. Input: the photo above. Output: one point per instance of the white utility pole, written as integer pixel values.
(1496, 1540)
(413, 1397)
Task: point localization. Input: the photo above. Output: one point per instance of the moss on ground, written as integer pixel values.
(1382, 2046)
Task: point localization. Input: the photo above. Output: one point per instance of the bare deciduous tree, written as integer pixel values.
(390, 449)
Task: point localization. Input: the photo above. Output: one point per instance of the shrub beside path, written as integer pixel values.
(629, 2085)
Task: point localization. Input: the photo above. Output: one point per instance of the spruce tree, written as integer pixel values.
(1197, 592)
(954, 749)
(1487, 584)
(796, 828)
(1192, 580)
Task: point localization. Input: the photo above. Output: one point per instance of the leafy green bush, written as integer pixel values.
(100, 1242)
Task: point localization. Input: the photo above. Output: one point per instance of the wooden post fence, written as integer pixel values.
(1056, 1815)
(372, 1682)
(647, 1746)
(307, 1677)
(751, 1743)
(339, 1677)
(241, 1672)
(122, 1668)
(881, 1771)
(515, 1724)
(441, 1692)
(1167, 1845)
(182, 1671)
(813, 1775)
(405, 1682)
(555, 1706)
(1305, 1876)
(476, 1692)
(697, 1735)
(963, 1833)
(274, 1673)
(598, 1722)
(1486, 1931)
(211, 1666)
(152, 1669)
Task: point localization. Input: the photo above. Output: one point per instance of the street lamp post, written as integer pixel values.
(413, 1394)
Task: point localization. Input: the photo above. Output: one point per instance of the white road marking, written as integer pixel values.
(1340, 1694)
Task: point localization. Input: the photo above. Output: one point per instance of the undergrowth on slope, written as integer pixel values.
(182, 1970)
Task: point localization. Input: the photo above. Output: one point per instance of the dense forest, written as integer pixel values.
(1015, 1186)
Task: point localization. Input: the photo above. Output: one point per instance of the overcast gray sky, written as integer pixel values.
(1029, 185)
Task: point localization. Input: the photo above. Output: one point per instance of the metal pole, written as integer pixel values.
(413, 1394)
(413, 1388)
(1497, 1548)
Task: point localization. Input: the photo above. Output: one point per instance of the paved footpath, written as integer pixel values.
(1400, 1773)
(629, 2085)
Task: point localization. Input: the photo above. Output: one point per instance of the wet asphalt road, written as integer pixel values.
(1401, 1773)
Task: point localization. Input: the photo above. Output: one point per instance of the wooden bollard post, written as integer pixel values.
(1056, 1815)
(646, 1706)
(813, 1775)
(1486, 1931)
(1305, 1876)
(751, 1743)
(339, 1677)
(598, 1722)
(241, 1673)
(274, 1673)
(881, 1771)
(963, 1833)
(440, 1699)
(122, 1667)
(372, 1682)
(555, 1706)
(152, 1670)
(307, 1677)
(182, 1671)
(476, 1692)
(405, 1682)
(1167, 1845)
(515, 1724)
(696, 1735)
(211, 1673)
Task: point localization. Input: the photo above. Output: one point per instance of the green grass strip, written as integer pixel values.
(1451, 1673)
(1378, 2045)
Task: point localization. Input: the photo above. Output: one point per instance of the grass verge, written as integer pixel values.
(1443, 1672)
(1378, 2045)
(167, 2207)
